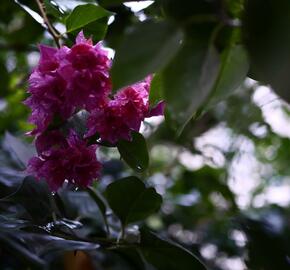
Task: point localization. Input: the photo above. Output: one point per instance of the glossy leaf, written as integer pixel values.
(267, 246)
(145, 49)
(131, 201)
(35, 198)
(53, 9)
(100, 203)
(81, 204)
(97, 29)
(41, 249)
(156, 89)
(55, 246)
(233, 72)
(267, 37)
(9, 240)
(165, 255)
(188, 80)
(83, 15)
(18, 149)
(132, 255)
(135, 152)
(10, 177)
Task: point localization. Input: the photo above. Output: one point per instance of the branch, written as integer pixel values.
(49, 26)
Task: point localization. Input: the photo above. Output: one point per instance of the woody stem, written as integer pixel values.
(49, 26)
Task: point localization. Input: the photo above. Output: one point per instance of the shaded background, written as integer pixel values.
(225, 181)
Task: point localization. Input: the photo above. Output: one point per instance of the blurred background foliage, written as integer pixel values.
(220, 160)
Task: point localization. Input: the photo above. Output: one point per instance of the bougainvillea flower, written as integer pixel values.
(108, 121)
(47, 100)
(85, 68)
(123, 114)
(61, 159)
(67, 80)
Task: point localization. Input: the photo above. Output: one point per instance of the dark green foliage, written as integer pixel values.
(167, 255)
(267, 38)
(268, 247)
(131, 201)
(185, 11)
(162, 40)
(135, 152)
(186, 84)
(92, 19)
(84, 15)
(233, 71)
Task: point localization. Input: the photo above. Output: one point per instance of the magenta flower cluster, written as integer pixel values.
(64, 158)
(66, 81)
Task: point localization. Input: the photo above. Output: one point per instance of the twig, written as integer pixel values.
(50, 27)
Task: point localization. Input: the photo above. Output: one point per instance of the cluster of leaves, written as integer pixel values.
(200, 53)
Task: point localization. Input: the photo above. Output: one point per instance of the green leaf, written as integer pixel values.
(131, 201)
(133, 256)
(155, 94)
(147, 48)
(135, 152)
(53, 9)
(267, 245)
(98, 200)
(9, 241)
(83, 15)
(188, 80)
(165, 255)
(19, 150)
(233, 72)
(56, 246)
(40, 249)
(96, 30)
(100, 203)
(82, 204)
(10, 177)
(267, 38)
(34, 197)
